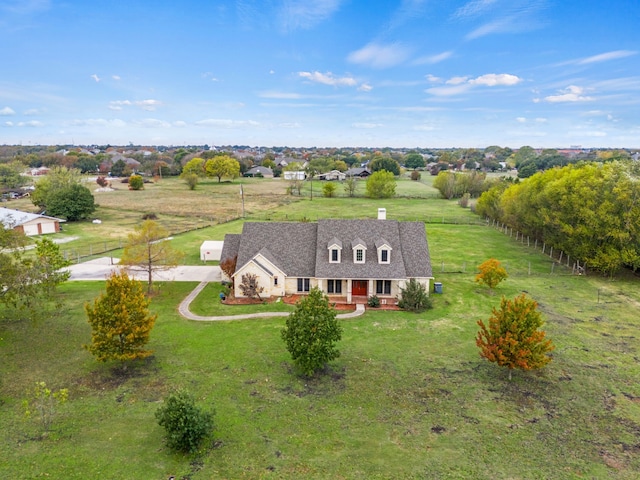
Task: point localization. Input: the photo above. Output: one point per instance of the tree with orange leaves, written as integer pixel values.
(513, 339)
(491, 273)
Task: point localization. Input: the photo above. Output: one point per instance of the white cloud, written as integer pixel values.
(379, 56)
(328, 79)
(226, 123)
(31, 111)
(32, 123)
(492, 80)
(433, 79)
(456, 80)
(95, 77)
(152, 123)
(440, 57)
(541, 120)
(473, 9)
(570, 94)
(116, 77)
(304, 14)
(458, 85)
(289, 125)
(8, 124)
(98, 122)
(179, 124)
(148, 105)
(366, 125)
(603, 57)
(280, 95)
(424, 128)
(521, 119)
(7, 111)
(365, 87)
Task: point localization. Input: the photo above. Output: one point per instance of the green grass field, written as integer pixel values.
(408, 398)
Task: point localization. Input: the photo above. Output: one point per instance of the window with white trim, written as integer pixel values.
(383, 287)
(335, 256)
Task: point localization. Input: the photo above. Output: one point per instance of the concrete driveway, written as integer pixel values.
(101, 268)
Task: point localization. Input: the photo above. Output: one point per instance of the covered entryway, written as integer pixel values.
(359, 288)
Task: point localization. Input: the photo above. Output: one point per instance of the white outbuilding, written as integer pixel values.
(211, 250)
(29, 223)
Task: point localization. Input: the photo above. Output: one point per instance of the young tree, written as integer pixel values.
(28, 283)
(381, 184)
(195, 166)
(222, 166)
(512, 339)
(149, 250)
(414, 160)
(136, 182)
(185, 424)
(329, 189)
(311, 333)
(74, 202)
(350, 185)
(414, 297)
(491, 273)
(250, 286)
(191, 179)
(120, 321)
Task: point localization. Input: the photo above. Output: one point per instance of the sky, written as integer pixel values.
(324, 73)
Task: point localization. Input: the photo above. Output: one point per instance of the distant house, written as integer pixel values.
(332, 175)
(349, 260)
(259, 171)
(361, 172)
(29, 223)
(294, 175)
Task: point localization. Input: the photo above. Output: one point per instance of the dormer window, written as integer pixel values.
(335, 249)
(359, 251)
(384, 251)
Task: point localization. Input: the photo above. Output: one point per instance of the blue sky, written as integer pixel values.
(404, 73)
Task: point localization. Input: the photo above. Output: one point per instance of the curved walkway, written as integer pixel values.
(183, 308)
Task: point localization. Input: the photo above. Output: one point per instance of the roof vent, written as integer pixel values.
(382, 214)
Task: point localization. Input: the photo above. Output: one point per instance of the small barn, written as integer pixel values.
(211, 250)
(29, 223)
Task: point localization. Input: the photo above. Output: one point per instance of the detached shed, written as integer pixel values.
(29, 223)
(211, 250)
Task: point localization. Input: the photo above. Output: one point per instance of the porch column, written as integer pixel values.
(321, 285)
(372, 288)
(349, 290)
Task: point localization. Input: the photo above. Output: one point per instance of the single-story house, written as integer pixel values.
(211, 250)
(259, 171)
(349, 260)
(332, 175)
(29, 223)
(294, 175)
(358, 172)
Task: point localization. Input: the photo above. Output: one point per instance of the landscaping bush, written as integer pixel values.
(102, 181)
(414, 297)
(136, 182)
(415, 175)
(185, 424)
(374, 301)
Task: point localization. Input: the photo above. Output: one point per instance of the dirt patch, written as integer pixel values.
(118, 375)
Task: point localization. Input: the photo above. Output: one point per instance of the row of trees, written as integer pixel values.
(590, 211)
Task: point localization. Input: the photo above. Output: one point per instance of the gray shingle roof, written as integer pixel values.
(298, 240)
(306, 253)
(230, 246)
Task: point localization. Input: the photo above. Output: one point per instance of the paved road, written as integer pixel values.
(101, 268)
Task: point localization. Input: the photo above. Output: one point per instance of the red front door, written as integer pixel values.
(359, 288)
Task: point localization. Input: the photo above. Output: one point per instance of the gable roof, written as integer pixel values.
(12, 218)
(295, 259)
(303, 248)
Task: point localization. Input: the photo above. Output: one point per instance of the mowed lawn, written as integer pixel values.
(408, 398)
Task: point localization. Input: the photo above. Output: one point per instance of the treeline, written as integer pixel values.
(591, 211)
